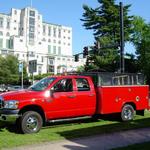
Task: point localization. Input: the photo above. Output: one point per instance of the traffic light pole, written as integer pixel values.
(122, 64)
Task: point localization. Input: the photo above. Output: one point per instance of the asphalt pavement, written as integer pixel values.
(98, 142)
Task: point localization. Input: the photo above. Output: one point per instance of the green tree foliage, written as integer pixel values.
(9, 73)
(105, 23)
(141, 40)
(8, 70)
(41, 76)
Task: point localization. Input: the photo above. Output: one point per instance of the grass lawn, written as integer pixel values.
(67, 130)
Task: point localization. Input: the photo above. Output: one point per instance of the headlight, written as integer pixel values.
(11, 104)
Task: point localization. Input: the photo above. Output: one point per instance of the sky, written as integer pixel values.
(69, 13)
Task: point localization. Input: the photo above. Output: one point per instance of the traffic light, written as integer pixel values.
(76, 58)
(85, 52)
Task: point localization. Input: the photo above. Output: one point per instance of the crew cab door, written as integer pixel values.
(66, 101)
(85, 93)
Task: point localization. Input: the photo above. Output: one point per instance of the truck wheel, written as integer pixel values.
(31, 122)
(127, 113)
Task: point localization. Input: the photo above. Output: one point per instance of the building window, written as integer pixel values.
(1, 33)
(49, 31)
(59, 42)
(68, 31)
(54, 32)
(50, 68)
(51, 61)
(3, 52)
(54, 41)
(59, 33)
(32, 21)
(15, 20)
(31, 54)
(21, 40)
(1, 43)
(44, 29)
(11, 42)
(7, 43)
(32, 13)
(40, 69)
(42, 58)
(59, 50)
(8, 23)
(68, 38)
(31, 28)
(49, 40)
(49, 49)
(7, 34)
(14, 28)
(43, 39)
(54, 49)
(1, 22)
(15, 12)
(31, 35)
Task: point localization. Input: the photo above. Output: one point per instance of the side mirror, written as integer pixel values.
(49, 93)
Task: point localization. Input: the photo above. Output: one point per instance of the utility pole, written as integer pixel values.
(21, 71)
(122, 64)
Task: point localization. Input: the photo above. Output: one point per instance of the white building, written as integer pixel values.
(24, 34)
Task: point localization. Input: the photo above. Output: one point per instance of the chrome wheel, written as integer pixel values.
(127, 113)
(32, 123)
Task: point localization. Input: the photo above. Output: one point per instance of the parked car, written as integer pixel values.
(14, 88)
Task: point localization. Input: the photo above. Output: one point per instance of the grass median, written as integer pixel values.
(67, 130)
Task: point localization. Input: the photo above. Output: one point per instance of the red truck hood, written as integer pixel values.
(21, 95)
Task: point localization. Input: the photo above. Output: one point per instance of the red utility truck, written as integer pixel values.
(71, 96)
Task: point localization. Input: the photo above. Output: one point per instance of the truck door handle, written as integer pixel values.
(72, 96)
(91, 95)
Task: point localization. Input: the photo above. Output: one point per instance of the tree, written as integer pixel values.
(141, 40)
(104, 21)
(9, 73)
(8, 70)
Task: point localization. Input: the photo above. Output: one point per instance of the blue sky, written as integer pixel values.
(69, 13)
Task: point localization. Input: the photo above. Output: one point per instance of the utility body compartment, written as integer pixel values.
(111, 99)
(114, 90)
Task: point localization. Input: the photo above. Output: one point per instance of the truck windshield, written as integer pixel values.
(42, 84)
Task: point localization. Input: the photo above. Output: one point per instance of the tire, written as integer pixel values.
(127, 113)
(30, 122)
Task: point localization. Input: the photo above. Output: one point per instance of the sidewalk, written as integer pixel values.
(98, 142)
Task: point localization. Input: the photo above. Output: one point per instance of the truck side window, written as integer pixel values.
(64, 85)
(82, 84)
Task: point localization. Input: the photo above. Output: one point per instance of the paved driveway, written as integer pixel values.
(98, 142)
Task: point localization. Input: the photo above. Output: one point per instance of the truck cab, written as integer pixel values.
(51, 98)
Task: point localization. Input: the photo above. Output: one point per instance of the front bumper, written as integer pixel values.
(9, 115)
